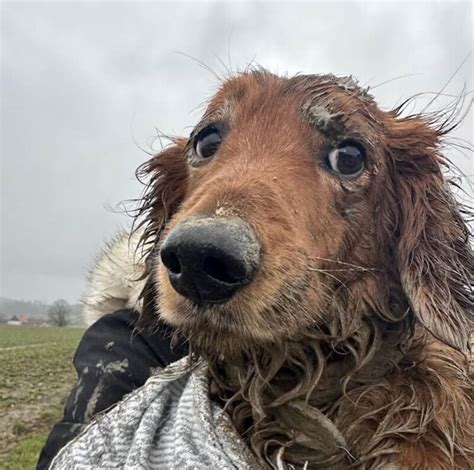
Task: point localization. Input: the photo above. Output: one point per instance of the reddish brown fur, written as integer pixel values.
(362, 308)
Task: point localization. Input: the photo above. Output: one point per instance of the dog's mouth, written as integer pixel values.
(260, 313)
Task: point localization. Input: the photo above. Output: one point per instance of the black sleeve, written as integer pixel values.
(111, 360)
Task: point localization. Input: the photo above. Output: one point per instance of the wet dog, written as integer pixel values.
(308, 246)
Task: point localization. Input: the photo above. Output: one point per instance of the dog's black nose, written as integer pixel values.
(209, 259)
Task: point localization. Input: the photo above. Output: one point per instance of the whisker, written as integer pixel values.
(408, 75)
(330, 275)
(447, 83)
(202, 64)
(362, 268)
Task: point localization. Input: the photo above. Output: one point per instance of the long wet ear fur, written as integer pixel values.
(165, 178)
(432, 241)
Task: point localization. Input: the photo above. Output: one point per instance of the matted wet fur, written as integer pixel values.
(350, 347)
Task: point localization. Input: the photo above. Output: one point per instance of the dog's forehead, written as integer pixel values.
(316, 96)
(261, 84)
(321, 85)
(335, 106)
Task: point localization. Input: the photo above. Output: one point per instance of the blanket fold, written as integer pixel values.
(169, 423)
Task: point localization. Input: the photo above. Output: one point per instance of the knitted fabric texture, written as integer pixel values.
(169, 423)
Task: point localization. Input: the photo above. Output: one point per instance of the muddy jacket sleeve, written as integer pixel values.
(111, 360)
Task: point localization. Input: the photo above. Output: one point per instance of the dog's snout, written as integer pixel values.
(209, 259)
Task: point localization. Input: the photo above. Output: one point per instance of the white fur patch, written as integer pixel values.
(114, 280)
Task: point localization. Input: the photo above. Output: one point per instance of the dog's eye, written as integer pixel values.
(207, 142)
(347, 159)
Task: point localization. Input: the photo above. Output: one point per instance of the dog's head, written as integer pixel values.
(297, 204)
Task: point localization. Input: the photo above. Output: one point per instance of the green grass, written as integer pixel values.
(11, 336)
(25, 454)
(34, 383)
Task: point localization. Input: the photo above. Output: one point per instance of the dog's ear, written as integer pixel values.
(431, 247)
(165, 177)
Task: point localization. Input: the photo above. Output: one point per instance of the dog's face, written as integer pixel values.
(286, 211)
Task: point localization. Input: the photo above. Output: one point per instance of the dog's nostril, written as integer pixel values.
(208, 260)
(219, 270)
(171, 261)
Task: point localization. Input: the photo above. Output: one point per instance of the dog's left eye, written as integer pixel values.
(347, 159)
(207, 142)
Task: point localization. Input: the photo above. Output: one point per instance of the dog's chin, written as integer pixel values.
(231, 328)
(215, 330)
(246, 321)
(206, 319)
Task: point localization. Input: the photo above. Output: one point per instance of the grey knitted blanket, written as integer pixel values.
(169, 423)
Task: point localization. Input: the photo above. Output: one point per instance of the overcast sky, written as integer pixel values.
(82, 81)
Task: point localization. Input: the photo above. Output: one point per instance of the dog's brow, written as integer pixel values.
(221, 111)
(323, 118)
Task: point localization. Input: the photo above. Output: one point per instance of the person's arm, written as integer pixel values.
(111, 360)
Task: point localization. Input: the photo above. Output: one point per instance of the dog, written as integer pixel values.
(309, 247)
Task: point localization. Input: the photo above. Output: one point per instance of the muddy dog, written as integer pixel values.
(309, 247)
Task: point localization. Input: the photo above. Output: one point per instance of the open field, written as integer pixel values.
(36, 375)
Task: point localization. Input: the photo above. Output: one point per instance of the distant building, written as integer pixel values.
(19, 319)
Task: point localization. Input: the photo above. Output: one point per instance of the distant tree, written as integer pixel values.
(59, 312)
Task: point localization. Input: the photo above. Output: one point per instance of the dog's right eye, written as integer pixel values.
(207, 142)
(347, 159)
